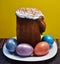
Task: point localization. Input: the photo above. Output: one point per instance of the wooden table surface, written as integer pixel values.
(5, 60)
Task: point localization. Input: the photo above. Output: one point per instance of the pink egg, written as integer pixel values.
(42, 48)
(24, 50)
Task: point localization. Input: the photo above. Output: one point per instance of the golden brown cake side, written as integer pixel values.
(28, 31)
(41, 24)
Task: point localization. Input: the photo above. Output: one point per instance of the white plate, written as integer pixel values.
(52, 53)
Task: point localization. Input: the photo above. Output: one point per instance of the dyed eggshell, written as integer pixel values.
(24, 50)
(11, 45)
(42, 48)
(48, 39)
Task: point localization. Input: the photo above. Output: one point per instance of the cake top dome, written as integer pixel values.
(30, 13)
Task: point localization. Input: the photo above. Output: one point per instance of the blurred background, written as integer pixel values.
(50, 8)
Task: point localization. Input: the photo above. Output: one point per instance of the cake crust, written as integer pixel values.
(29, 30)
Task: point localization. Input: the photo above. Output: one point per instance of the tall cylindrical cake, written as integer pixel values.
(30, 25)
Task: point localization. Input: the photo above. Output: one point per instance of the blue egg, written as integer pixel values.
(48, 39)
(11, 45)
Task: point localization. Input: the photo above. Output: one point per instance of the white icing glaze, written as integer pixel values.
(30, 13)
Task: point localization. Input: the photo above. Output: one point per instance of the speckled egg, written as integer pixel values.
(24, 50)
(42, 48)
(11, 45)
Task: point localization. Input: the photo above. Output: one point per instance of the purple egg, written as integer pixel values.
(24, 50)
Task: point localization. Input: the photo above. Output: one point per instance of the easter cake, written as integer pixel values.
(30, 25)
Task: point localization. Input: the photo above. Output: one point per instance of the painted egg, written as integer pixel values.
(24, 50)
(11, 45)
(48, 39)
(42, 48)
